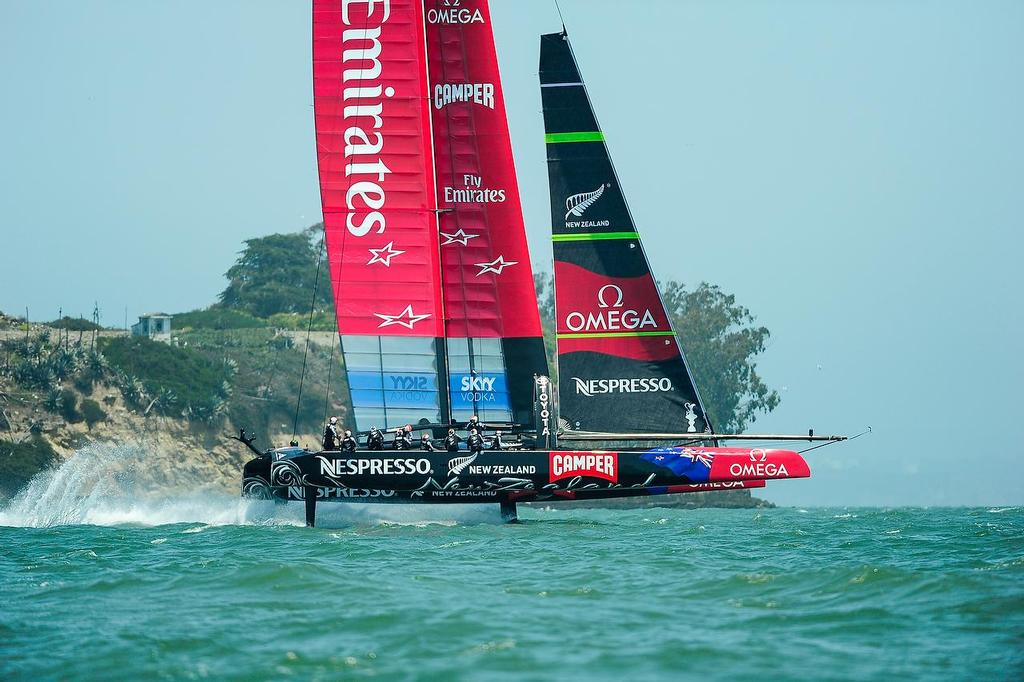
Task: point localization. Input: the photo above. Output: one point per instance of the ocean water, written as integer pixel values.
(101, 584)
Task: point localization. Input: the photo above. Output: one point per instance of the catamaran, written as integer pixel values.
(436, 309)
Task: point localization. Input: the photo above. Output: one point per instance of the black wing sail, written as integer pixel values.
(620, 365)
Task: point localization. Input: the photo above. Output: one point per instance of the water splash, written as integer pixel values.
(105, 484)
(110, 485)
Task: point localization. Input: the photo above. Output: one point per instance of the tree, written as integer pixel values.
(720, 342)
(544, 285)
(276, 274)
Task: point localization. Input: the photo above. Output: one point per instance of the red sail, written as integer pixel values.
(488, 281)
(494, 344)
(376, 175)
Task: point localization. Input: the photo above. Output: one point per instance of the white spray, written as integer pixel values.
(109, 485)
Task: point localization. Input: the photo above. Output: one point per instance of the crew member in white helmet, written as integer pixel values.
(331, 435)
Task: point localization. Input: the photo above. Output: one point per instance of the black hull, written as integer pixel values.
(442, 477)
(507, 476)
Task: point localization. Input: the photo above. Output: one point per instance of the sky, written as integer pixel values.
(852, 171)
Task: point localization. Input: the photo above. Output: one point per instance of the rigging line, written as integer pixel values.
(330, 369)
(831, 442)
(560, 18)
(309, 329)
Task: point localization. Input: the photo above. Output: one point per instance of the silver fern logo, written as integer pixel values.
(577, 204)
(457, 464)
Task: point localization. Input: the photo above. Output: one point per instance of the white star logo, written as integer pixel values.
(384, 254)
(459, 237)
(406, 318)
(495, 266)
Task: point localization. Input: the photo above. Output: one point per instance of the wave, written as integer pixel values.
(112, 485)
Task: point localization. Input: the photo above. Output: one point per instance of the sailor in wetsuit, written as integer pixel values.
(496, 441)
(402, 440)
(475, 442)
(375, 441)
(348, 443)
(331, 435)
(451, 441)
(427, 444)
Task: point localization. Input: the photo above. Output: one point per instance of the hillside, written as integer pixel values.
(175, 403)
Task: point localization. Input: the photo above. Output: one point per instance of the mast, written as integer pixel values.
(442, 351)
(621, 368)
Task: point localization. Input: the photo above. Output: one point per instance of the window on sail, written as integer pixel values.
(478, 384)
(393, 380)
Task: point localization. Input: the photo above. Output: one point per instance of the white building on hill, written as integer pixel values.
(156, 326)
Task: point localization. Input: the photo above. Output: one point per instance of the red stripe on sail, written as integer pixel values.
(486, 272)
(376, 176)
(625, 312)
(654, 348)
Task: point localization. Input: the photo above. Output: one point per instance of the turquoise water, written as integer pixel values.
(191, 588)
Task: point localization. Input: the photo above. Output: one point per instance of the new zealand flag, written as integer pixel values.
(693, 464)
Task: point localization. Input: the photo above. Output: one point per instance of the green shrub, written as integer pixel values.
(216, 317)
(54, 399)
(19, 462)
(84, 382)
(69, 406)
(180, 378)
(322, 321)
(92, 412)
(75, 324)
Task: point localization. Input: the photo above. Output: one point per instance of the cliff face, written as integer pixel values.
(171, 453)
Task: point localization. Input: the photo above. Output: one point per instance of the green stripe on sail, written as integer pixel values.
(592, 236)
(608, 335)
(555, 138)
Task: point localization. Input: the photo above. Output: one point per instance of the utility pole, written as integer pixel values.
(95, 321)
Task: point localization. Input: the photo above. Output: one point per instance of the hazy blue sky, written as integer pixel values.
(853, 172)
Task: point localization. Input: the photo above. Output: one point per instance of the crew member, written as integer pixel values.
(348, 443)
(331, 435)
(427, 444)
(475, 442)
(451, 441)
(402, 440)
(496, 441)
(375, 441)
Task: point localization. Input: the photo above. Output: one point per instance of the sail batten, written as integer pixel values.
(620, 365)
